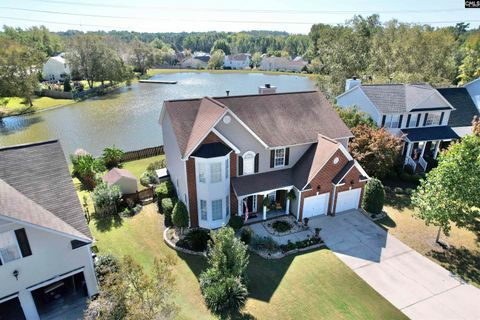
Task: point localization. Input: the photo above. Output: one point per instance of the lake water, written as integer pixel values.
(128, 118)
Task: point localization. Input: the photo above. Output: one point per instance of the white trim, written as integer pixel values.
(253, 160)
(469, 83)
(221, 136)
(275, 157)
(359, 167)
(57, 278)
(348, 91)
(247, 128)
(36, 226)
(17, 246)
(435, 92)
(265, 192)
(10, 297)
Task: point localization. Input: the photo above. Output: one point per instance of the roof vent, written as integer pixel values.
(228, 93)
(267, 89)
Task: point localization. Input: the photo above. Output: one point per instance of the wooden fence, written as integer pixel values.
(141, 195)
(143, 153)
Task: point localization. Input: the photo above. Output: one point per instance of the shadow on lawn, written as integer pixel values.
(107, 223)
(398, 201)
(386, 223)
(461, 261)
(263, 276)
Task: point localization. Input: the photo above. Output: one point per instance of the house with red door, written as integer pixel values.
(243, 155)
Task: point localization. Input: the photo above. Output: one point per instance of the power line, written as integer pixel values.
(93, 4)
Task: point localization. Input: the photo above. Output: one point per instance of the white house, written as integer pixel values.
(473, 88)
(122, 178)
(200, 62)
(282, 64)
(416, 112)
(56, 68)
(46, 266)
(237, 61)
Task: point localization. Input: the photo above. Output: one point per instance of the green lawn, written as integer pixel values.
(313, 285)
(15, 105)
(138, 167)
(153, 72)
(463, 257)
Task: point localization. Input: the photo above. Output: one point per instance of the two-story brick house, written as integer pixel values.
(46, 266)
(225, 155)
(416, 112)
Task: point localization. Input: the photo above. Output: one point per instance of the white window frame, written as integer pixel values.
(249, 162)
(203, 210)
(19, 252)
(276, 157)
(227, 168)
(430, 122)
(413, 120)
(389, 120)
(201, 173)
(221, 209)
(216, 177)
(227, 205)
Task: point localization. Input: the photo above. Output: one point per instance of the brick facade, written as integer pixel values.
(352, 176)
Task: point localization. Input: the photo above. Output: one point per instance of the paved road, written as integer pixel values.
(414, 284)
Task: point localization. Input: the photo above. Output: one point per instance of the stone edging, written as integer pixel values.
(175, 247)
(378, 217)
(280, 255)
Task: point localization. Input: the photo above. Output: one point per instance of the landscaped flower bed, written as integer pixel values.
(283, 226)
(300, 244)
(194, 241)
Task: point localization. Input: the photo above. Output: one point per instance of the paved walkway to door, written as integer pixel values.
(414, 284)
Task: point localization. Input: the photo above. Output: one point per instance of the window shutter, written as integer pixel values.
(408, 120)
(240, 166)
(272, 158)
(287, 155)
(400, 121)
(418, 119)
(256, 163)
(23, 242)
(441, 118)
(384, 117)
(425, 119)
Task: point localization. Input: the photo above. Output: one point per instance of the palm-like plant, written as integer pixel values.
(112, 156)
(85, 167)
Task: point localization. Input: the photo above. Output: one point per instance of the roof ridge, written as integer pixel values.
(265, 94)
(328, 139)
(215, 101)
(29, 144)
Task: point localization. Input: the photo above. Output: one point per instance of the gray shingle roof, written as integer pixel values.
(461, 100)
(429, 133)
(40, 172)
(397, 98)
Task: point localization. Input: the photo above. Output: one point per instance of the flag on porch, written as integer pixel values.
(246, 210)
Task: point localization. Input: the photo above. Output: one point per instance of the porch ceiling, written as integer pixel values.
(256, 183)
(429, 134)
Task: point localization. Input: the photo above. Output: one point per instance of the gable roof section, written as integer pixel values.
(39, 171)
(397, 98)
(285, 119)
(116, 174)
(461, 100)
(349, 166)
(18, 207)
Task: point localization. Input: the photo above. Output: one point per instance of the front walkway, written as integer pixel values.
(414, 284)
(259, 230)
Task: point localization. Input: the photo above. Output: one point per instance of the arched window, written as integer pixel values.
(248, 162)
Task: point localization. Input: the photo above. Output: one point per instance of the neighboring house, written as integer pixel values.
(46, 265)
(473, 88)
(122, 178)
(417, 112)
(56, 68)
(200, 62)
(282, 64)
(465, 109)
(237, 61)
(226, 154)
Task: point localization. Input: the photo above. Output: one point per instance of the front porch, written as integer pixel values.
(422, 146)
(264, 205)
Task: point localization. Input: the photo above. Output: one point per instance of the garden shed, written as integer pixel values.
(122, 178)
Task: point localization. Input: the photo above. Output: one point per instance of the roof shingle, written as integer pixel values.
(461, 100)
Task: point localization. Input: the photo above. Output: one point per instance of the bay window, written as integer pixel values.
(203, 209)
(217, 209)
(201, 173)
(215, 172)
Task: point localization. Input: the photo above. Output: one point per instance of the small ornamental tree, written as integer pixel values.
(180, 216)
(374, 196)
(223, 283)
(377, 150)
(167, 208)
(85, 167)
(112, 157)
(106, 199)
(66, 85)
(450, 193)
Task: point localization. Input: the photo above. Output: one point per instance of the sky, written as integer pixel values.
(293, 16)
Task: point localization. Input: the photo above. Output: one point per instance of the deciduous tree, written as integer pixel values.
(354, 117)
(216, 60)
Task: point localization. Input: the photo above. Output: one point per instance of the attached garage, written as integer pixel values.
(348, 200)
(315, 205)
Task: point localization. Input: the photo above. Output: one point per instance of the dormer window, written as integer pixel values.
(392, 121)
(279, 157)
(432, 119)
(249, 162)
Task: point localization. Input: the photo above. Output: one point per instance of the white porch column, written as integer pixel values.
(437, 148)
(264, 207)
(409, 150)
(287, 205)
(28, 305)
(240, 206)
(423, 149)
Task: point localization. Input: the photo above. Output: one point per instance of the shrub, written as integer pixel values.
(147, 178)
(374, 196)
(236, 222)
(85, 168)
(167, 205)
(180, 215)
(196, 240)
(398, 190)
(164, 190)
(112, 156)
(106, 199)
(159, 164)
(264, 243)
(246, 235)
(300, 244)
(66, 85)
(225, 294)
(105, 265)
(281, 226)
(126, 212)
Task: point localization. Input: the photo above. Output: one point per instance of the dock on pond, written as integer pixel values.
(157, 81)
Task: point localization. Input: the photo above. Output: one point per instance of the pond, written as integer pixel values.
(128, 118)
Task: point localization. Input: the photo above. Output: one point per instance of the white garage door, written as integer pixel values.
(315, 205)
(348, 200)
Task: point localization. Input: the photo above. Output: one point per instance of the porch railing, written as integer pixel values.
(423, 163)
(411, 163)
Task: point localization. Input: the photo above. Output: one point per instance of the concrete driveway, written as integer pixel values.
(414, 284)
